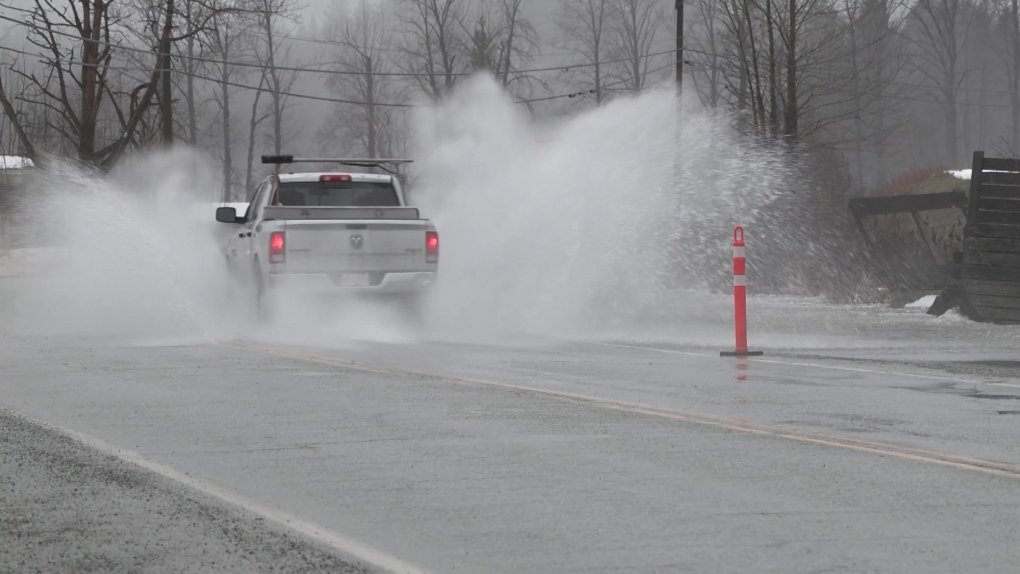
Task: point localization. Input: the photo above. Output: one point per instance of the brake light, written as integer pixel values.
(335, 177)
(431, 247)
(277, 247)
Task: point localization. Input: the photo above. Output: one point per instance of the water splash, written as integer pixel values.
(138, 257)
(584, 225)
(560, 229)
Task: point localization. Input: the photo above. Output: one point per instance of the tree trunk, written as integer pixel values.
(190, 81)
(757, 97)
(773, 78)
(509, 45)
(952, 146)
(373, 151)
(856, 89)
(596, 29)
(252, 129)
(275, 86)
(146, 100)
(12, 115)
(227, 157)
(166, 103)
(792, 127)
(92, 17)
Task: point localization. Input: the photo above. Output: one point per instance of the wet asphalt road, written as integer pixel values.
(608, 456)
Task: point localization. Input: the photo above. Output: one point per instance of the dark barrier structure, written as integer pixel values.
(990, 277)
(909, 279)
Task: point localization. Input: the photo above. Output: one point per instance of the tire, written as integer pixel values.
(413, 309)
(231, 280)
(263, 296)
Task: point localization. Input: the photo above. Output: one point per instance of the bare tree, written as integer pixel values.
(743, 27)
(272, 13)
(707, 56)
(939, 31)
(433, 37)
(879, 60)
(255, 120)
(16, 117)
(519, 42)
(503, 42)
(160, 23)
(635, 25)
(226, 39)
(72, 88)
(195, 16)
(1007, 25)
(586, 24)
(790, 65)
(364, 48)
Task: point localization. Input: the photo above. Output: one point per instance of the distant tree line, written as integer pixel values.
(892, 84)
(882, 85)
(95, 79)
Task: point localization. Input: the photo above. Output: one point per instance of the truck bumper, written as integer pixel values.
(367, 283)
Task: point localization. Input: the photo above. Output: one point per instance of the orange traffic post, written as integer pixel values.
(740, 298)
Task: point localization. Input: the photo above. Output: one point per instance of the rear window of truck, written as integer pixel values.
(338, 194)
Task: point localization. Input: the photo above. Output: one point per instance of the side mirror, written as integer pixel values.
(226, 215)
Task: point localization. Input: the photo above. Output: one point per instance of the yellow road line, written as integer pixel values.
(730, 423)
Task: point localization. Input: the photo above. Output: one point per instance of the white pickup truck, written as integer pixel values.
(332, 233)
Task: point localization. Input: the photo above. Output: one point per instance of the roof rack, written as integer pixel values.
(354, 162)
(278, 160)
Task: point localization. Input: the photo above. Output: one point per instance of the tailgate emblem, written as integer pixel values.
(306, 213)
(356, 241)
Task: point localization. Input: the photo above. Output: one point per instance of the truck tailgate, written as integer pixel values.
(318, 246)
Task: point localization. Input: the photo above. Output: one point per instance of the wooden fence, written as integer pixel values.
(990, 276)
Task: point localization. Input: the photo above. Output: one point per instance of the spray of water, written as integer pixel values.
(136, 255)
(589, 224)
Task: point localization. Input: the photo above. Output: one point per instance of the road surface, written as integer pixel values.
(609, 454)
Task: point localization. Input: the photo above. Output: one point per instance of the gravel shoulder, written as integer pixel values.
(67, 508)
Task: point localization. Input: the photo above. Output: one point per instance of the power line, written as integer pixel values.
(221, 82)
(527, 71)
(295, 94)
(566, 67)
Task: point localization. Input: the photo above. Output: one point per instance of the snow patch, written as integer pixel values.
(923, 303)
(15, 162)
(965, 173)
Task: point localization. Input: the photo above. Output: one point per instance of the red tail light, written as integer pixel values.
(431, 247)
(277, 247)
(335, 177)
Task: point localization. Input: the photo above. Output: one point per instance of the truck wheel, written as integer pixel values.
(231, 278)
(263, 298)
(412, 309)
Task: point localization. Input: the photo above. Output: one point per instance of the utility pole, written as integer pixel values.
(679, 46)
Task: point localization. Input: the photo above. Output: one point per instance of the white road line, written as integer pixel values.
(815, 365)
(344, 545)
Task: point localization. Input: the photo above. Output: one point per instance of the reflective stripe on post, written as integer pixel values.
(740, 297)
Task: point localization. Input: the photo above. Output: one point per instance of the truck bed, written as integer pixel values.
(324, 246)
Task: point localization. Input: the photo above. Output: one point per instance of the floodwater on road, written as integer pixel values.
(850, 446)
